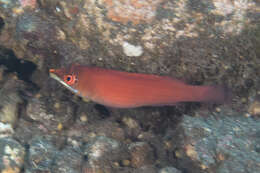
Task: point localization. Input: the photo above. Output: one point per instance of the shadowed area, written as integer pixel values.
(2, 23)
(23, 68)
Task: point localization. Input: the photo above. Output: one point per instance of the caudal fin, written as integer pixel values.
(212, 94)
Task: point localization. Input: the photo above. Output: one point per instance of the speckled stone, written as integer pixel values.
(254, 108)
(44, 111)
(202, 42)
(169, 170)
(100, 155)
(42, 153)
(10, 100)
(146, 169)
(6, 130)
(141, 154)
(131, 11)
(219, 140)
(100, 147)
(11, 155)
(68, 161)
(31, 25)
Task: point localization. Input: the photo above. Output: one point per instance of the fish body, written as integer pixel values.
(127, 90)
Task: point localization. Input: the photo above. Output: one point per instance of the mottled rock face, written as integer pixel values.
(220, 139)
(141, 154)
(6, 130)
(169, 170)
(254, 108)
(202, 42)
(131, 10)
(11, 155)
(10, 100)
(44, 155)
(53, 115)
(2, 23)
(99, 147)
(32, 27)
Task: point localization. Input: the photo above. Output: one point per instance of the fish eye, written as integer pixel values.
(70, 79)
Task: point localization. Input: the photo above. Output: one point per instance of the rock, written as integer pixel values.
(13, 67)
(135, 12)
(100, 147)
(146, 169)
(11, 155)
(10, 100)
(169, 170)
(6, 130)
(67, 161)
(47, 112)
(101, 152)
(226, 142)
(141, 154)
(28, 3)
(42, 153)
(131, 123)
(201, 42)
(101, 128)
(2, 69)
(45, 156)
(31, 26)
(133, 127)
(254, 108)
(132, 50)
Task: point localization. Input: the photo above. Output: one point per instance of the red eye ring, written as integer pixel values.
(70, 79)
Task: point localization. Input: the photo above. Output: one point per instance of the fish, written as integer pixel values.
(121, 89)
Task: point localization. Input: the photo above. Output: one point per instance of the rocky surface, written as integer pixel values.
(217, 141)
(45, 128)
(12, 155)
(10, 100)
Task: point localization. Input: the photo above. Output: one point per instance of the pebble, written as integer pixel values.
(41, 153)
(99, 147)
(6, 130)
(218, 109)
(132, 50)
(254, 108)
(11, 155)
(54, 117)
(83, 118)
(146, 169)
(57, 105)
(169, 170)
(67, 161)
(126, 162)
(102, 154)
(130, 122)
(141, 154)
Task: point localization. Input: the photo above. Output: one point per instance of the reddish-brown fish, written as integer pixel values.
(127, 90)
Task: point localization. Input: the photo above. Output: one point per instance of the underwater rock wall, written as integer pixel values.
(46, 128)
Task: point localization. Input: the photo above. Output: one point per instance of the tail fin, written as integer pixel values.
(212, 94)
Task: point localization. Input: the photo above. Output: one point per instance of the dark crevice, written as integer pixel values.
(23, 68)
(2, 23)
(102, 110)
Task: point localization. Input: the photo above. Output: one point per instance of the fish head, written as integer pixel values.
(66, 76)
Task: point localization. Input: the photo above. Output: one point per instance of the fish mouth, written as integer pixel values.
(54, 76)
